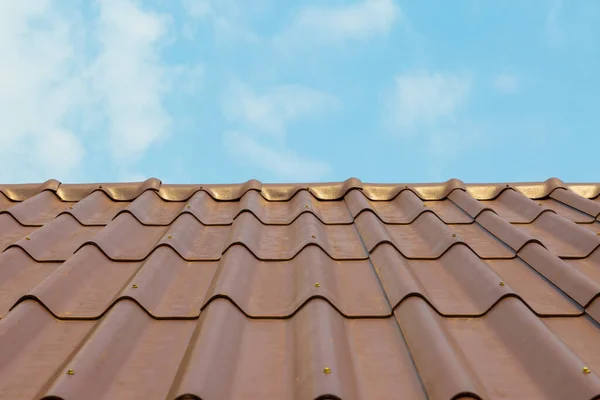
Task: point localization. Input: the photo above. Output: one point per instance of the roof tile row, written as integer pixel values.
(508, 353)
(165, 285)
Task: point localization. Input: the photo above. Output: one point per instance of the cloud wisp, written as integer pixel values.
(424, 100)
(262, 121)
(506, 83)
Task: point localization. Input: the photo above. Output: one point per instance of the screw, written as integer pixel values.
(502, 283)
(70, 371)
(169, 237)
(99, 186)
(189, 207)
(306, 206)
(314, 236)
(585, 370)
(405, 186)
(317, 284)
(327, 370)
(539, 204)
(70, 207)
(27, 238)
(134, 286)
(454, 235)
(424, 205)
(507, 185)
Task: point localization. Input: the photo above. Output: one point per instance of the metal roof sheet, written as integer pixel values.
(343, 290)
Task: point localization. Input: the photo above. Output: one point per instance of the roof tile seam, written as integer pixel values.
(516, 251)
(450, 246)
(536, 241)
(226, 248)
(421, 212)
(387, 299)
(242, 211)
(116, 301)
(575, 208)
(30, 225)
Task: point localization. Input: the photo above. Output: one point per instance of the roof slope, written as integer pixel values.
(318, 291)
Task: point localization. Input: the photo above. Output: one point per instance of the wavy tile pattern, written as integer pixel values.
(343, 290)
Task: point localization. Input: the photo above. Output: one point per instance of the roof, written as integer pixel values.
(339, 290)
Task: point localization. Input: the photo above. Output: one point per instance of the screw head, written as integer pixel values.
(327, 370)
(27, 238)
(502, 283)
(317, 284)
(70, 371)
(99, 186)
(585, 370)
(454, 235)
(306, 206)
(169, 237)
(507, 185)
(134, 286)
(70, 207)
(314, 236)
(189, 206)
(597, 233)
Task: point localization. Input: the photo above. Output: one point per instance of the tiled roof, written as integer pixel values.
(317, 291)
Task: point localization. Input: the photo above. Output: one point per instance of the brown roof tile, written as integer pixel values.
(344, 290)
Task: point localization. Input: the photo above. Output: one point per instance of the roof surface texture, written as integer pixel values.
(316, 291)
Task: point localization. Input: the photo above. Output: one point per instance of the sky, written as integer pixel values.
(223, 91)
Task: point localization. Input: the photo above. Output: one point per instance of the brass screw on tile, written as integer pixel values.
(170, 237)
(507, 185)
(314, 236)
(189, 207)
(70, 371)
(70, 207)
(27, 238)
(306, 206)
(405, 186)
(327, 370)
(597, 233)
(585, 370)
(454, 235)
(134, 286)
(99, 186)
(502, 283)
(539, 204)
(424, 205)
(317, 284)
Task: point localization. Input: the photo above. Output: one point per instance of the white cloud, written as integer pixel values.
(424, 99)
(553, 31)
(131, 77)
(54, 91)
(266, 116)
(340, 23)
(271, 111)
(39, 87)
(506, 83)
(278, 160)
(197, 8)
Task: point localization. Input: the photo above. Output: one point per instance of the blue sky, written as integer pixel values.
(222, 91)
